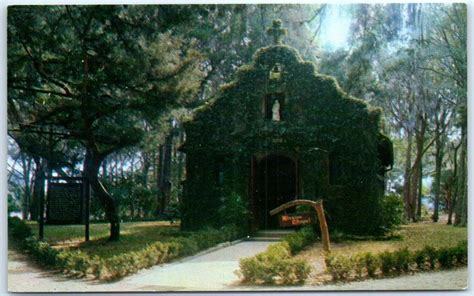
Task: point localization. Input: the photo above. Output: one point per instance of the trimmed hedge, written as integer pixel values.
(298, 240)
(76, 263)
(368, 265)
(276, 265)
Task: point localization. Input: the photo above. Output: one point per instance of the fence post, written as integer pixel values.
(323, 226)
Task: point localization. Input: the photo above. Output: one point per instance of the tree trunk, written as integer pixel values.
(406, 177)
(181, 163)
(420, 192)
(414, 191)
(437, 182)
(145, 168)
(158, 180)
(453, 184)
(449, 205)
(39, 179)
(26, 164)
(461, 203)
(416, 169)
(165, 173)
(92, 163)
(132, 211)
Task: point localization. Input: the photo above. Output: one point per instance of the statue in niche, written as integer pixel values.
(275, 73)
(276, 111)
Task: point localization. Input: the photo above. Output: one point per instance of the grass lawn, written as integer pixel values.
(413, 236)
(133, 236)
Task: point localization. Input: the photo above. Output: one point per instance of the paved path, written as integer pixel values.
(212, 272)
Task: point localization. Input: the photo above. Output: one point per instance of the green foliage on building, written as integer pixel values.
(279, 107)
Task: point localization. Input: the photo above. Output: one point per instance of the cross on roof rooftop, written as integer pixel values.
(276, 31)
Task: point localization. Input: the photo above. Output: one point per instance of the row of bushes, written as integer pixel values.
(277, 265)
(79, 264)
(274, 266)
(395, 263)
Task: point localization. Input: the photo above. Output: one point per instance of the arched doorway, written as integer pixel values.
(275, 183)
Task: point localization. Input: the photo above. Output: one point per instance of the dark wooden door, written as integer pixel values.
(275, 184)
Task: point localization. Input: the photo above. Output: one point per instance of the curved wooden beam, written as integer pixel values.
(293, 203)
(318, 207)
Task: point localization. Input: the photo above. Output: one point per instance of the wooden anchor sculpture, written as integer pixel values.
(318, 207)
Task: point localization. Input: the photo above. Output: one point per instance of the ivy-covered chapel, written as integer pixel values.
(278, 132)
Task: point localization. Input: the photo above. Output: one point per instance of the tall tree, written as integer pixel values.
(448, 44)
(402, 57)
(99, 72)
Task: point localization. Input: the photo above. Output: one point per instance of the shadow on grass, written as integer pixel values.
(340, 238)
(133, 237)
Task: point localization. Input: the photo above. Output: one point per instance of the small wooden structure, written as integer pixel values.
(318, 207)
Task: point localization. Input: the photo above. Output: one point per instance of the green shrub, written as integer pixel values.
(207, 238)
(460, 251)
(233, 211)
(40, 251)
(446, 257)
(295, 242)
(392, 212)
(346, 267)
(419, 257)
(449, 257)
(340, 267)
(397, 262)
(185, 246)
(431, 256)
(18, 229)
(388, 262)
(337, 236)
(309, 235)
(231, 232)
(274, 266)
(404, 260)
(371, 264)
(78, 264)
(294, 271)
(298, 240)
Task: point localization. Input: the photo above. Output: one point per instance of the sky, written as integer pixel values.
(335, 28)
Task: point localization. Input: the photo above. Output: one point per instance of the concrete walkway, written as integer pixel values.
(213, 271)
